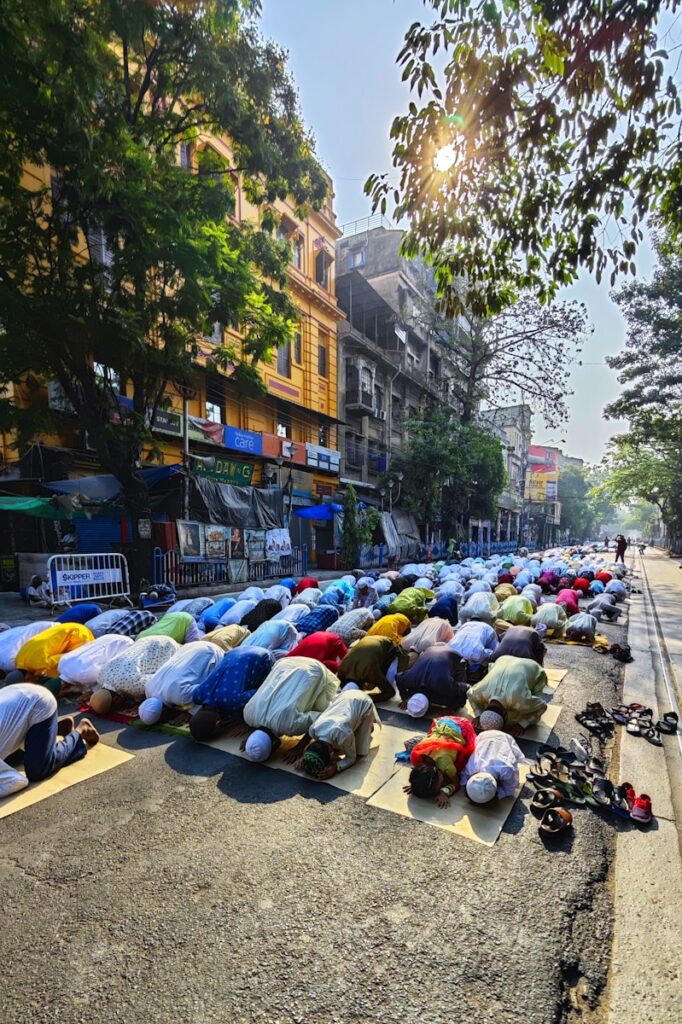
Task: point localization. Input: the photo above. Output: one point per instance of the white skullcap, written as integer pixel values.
(418, 705)
(150, 710)
(258, 746)
(491, 720)
(481, 788)
(350, 686)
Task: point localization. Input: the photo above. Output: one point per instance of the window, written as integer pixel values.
(297, 253)
(215, 401)
(298, 348)
(100, 247)
(352, 378)
(323, 262)
(284, 360)
(396, 412)
(283, 424)
(322, 358)
(366, 379)
(378, 399)
(60, 202)
(323, 435)
(357, 258)
(186, 156)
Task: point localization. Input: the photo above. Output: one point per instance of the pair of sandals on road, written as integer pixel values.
(576, 776)
(639, 721)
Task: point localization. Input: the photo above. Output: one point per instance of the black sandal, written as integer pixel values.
(555, 820)
(668, 724)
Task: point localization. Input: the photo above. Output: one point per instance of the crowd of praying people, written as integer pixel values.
(461, 642)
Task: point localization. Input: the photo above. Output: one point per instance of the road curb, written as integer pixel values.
(644, 982)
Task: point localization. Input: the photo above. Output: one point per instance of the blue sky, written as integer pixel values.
(342, 56)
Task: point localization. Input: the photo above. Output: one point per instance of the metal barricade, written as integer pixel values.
(170, 568)
(89, 577)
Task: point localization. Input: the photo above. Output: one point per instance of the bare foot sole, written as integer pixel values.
(88, 732)
(65, 726)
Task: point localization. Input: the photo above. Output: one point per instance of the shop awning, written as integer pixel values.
(106, 487)
(43, 508)
(326, 511)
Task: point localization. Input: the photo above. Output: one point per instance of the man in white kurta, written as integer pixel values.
(340, 735)
(289, 702)
(176, 680)
(29, 718)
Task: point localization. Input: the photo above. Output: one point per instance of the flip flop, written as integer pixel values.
(544, 799)
(602, 791)
(652, 736)
(623, 799)
(668, 724)
(633, 727)
(555, 820)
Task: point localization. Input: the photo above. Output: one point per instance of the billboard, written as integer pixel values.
(542, 478)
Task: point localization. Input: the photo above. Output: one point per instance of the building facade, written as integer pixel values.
(286, 438)
(389, 363)
(512, 425)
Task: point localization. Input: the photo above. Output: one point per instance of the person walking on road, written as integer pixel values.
(621, 547)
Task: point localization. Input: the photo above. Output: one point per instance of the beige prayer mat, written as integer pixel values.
(554, 676)
(482, 824)
(100, 758)
(363, 779)
(541, 732)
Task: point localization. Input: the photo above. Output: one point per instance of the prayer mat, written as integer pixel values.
(98, 759)
(600, 643)
(481, 824)
(363, 779)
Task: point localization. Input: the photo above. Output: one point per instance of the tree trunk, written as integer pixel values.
(136, 499)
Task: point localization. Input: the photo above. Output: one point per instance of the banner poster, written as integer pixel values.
(277, 544)
(217, 540)
(236, 543)
(191, 538)
(254, 544)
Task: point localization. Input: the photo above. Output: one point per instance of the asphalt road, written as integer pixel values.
(190, 886)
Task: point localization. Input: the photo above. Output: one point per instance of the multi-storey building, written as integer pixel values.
(512, 424)
(389, 361)
(287, 438)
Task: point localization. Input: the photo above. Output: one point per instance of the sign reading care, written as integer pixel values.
(227, 471)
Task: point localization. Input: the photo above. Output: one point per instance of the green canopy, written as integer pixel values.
(44, 508)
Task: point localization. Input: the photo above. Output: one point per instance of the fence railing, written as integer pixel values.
(169, 568)
(94, 577)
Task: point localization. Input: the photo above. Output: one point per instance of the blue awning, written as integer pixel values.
(325, 511)
(106, 487)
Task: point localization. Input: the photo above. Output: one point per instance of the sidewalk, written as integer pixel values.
(645, 967)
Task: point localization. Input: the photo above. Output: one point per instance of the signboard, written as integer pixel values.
(323, 458)
(243, 441)
(69, 577)
(167, 422)
(227, 471)
(144, 529)
(543, 476)
(277, 544)
(190, 538)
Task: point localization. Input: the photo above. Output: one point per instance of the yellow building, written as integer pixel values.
(296, 420)
(286, 438)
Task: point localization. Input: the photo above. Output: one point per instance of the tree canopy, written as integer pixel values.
(646, 463)
(451, 469)
(117, 267)
(538, 137)
(525, 351)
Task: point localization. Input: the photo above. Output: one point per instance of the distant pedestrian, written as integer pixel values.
(606, 543)
(621, 548)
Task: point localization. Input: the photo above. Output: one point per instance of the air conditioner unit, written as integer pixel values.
(381, 414)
